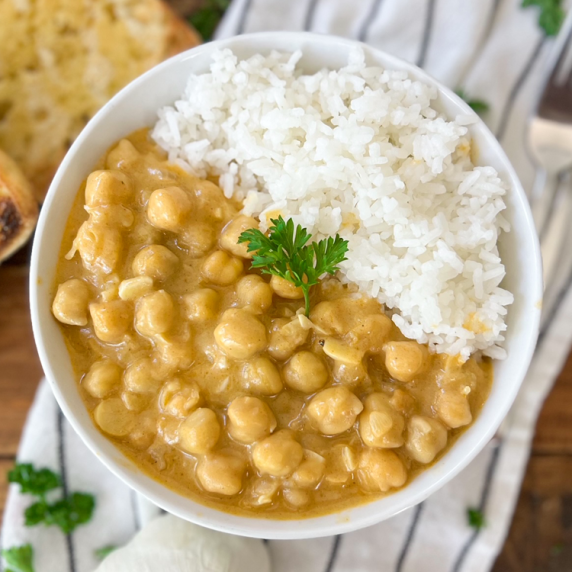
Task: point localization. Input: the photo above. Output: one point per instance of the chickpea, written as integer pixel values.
(285, 289)
(380, 425)
(134, 288)
(285, 337)
(102, 379)
(254, 293)
(143, 432)
(341, 352)
(141, 376)
(211, 201)
(230, 233)
(109, 292)
(175, 351)
(425, 438)
(380, 470)
(262, 491)
(295, 497)
(278, 455)
(404, 360)
(70, 303)
(349, 374)
(113, 417)
(123, 156)
(111, 320)
(168, 429)
(111, 215)
(154, 313)
(179, 399)
(201, 305)
(222, 269)
(199, 432)
(341, 462)
(99, 246)
(371, 333)
(334, 410)
(326, 316)
(334, 316)
(168, 208)
(305, 372)
(453, 408)
(143, 234)
(239, 334)
(402, 401)
(340, 316)
(310, 471)
(261, 376)
(250, 420)
(104, 188)
(135, 401)
(221, 473)
(155, 261)
(199, 238)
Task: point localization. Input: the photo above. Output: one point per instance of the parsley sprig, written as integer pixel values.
(477, 105)
(33, 481)
(67, 513)
(475, 518)
(285, 253)
(207, 17)
(104, 551)
(19, 558)
(551, 14)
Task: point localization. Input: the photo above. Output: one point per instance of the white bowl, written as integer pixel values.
(136, 107)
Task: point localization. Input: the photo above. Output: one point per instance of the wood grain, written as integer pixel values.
(540, 537)
(554, 428)
(20, 368)
(5, 466)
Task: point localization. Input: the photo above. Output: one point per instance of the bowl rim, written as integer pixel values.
(313, 527)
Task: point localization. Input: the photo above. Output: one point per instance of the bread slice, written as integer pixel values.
(18, 207)
(61, 60)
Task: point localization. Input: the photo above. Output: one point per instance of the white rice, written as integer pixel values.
(360, 152)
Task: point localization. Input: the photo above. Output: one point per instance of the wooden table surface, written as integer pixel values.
(540, 538)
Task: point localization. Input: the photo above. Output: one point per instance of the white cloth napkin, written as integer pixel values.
(493, 50)
(169, 543)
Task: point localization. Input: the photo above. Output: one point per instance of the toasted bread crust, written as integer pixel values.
(18, 207)
(51, 83)
(181, 36)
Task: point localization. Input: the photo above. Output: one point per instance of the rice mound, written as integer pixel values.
(360, 152)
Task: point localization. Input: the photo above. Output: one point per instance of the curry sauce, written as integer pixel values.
(210, 376)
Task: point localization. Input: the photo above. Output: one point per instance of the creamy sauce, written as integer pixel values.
(207, 375)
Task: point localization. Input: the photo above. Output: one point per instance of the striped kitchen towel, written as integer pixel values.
(494, 51)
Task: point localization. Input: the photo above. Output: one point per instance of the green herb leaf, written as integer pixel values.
(206, 19)
(551, 14)
(32, 481)
(66, 513)
(285, 253)
(104, 551)
(476, 518)
(477, 105)
(70, 512)
(20, 558)
(36, 513)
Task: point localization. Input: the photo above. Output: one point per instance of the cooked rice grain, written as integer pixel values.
(360, 152)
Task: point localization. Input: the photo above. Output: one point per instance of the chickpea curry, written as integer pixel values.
(210, 375)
